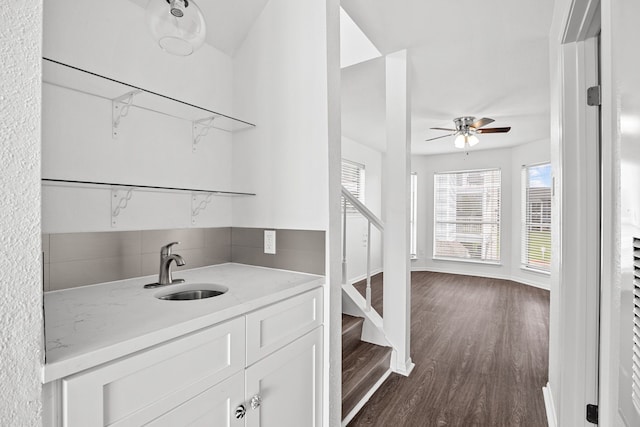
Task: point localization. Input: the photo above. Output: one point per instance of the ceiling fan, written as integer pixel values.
(466, 130)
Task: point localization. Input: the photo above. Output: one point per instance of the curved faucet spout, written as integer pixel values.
(166, 258)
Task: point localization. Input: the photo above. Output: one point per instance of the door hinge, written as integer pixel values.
(594, 96)
(592, 414)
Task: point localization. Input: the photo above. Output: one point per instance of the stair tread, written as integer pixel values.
(350, 322)
(359, 365)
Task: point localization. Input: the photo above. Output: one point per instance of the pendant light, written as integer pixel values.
(178, 26)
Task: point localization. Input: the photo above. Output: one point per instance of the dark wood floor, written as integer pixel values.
(481, 352)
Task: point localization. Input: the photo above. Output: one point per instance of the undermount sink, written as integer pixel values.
(190, 292)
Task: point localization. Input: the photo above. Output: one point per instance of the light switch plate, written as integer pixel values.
(269, 241)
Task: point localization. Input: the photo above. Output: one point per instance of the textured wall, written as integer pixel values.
(20, 276)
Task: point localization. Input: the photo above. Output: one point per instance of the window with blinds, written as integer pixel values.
(635, 374)
(536, 217)
(467, 215)
(353, 180)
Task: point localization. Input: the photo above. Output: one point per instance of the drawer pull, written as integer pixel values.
(256, 401)
(240, 412)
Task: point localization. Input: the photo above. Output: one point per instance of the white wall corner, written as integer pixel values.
(549, 406)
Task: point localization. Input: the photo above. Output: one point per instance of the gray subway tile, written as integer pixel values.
(189, 238)
(217, 237)
(85, 246)
(249, 237)
(45, 248)
(71, 274)
(307, 240)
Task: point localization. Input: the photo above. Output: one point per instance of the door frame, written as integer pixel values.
(576, 162)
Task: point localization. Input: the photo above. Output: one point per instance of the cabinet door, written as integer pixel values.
(137, 389)
(289, 383)
(214, 407)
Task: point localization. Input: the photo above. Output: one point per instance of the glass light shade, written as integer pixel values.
(176, 35)
(463, 140)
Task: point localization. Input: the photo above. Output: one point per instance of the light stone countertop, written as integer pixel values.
(91, 325)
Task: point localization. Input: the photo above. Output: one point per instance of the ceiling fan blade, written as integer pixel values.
(443, 136)
(481, 122)
(449, 130)
(495, 130)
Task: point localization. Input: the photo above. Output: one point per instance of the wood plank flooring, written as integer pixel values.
(481, 352)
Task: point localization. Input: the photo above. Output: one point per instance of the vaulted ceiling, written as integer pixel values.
(483, 59)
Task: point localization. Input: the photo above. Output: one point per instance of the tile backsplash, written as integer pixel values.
(77, 259)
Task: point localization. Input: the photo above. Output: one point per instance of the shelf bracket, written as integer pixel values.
(201, 129)
(119, 201)
(199, 202)
(120, 108)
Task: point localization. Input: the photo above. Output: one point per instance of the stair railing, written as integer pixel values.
(371, 218)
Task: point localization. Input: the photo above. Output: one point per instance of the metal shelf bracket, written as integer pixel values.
(201, 129)
(199, 202)
(119, 201)
(120, 108)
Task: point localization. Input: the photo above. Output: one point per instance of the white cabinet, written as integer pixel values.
(213, 407)
(202, 378)
(289, 383)
(138, 389)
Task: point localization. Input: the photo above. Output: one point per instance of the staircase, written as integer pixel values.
(364, 367)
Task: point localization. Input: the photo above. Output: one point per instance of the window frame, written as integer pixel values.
(524, 224)
(361, 176)
(497, 223)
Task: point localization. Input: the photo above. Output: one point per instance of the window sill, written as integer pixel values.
(468, 261)
(413, 257)
(533, 270)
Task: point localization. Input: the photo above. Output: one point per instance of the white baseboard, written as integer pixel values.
(552, 421)
(483, 274)
(365, 399)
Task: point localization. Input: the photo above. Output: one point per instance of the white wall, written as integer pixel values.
(21, 335)
(509, 161)
(111, 38)
(356, 224)
(280, 82)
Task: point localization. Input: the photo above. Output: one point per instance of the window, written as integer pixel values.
(467, 215)
(536, 217)
(413, 250)
(353, 180)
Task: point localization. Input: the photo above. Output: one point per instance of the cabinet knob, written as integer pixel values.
(256, 401)
(240, 412)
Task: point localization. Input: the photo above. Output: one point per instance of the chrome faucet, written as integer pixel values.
(166, 257)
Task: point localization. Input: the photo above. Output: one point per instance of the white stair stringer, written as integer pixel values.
(353, 304)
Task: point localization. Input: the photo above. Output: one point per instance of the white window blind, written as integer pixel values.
(414, 215)
(353, 180)
(467, 215)
(536, 217)
(635, 374)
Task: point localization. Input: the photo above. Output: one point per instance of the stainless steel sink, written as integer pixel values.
(190, 292)
(190, 295)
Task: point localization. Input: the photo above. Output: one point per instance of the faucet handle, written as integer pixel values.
(166, 249)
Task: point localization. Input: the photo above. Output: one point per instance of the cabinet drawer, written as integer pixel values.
(275, 326)
(142, 387)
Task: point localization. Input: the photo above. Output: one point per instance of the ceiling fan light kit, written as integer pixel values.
(466, 130)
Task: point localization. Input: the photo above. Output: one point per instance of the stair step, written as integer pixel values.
(351, 332)
(362, 367)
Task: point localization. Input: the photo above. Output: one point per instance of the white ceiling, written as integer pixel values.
(483, 59)
(228, 21)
